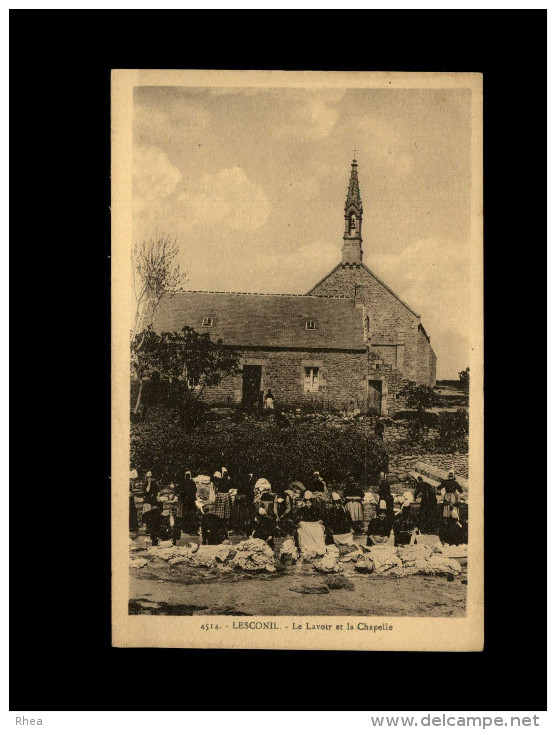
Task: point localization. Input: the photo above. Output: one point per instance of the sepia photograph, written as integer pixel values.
(297, 359)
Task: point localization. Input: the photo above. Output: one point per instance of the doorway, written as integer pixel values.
(251, 389)
(374, 396)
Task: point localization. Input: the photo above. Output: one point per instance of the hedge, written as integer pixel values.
(160, 442)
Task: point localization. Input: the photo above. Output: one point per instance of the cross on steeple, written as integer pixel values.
(354, 152)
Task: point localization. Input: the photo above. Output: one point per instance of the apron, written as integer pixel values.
(450, 500)
(354, 508)
(310, 536)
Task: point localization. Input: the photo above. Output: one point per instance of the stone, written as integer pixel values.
(337, 582)
(321, 588)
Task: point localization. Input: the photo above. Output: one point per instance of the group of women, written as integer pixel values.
(250, 506)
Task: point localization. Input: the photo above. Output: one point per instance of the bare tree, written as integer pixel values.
(155, 275)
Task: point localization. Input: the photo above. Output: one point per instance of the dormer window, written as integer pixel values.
(208, 321)
(310, 324)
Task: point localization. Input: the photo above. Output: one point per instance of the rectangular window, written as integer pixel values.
(207, 322)
(310, 324)
(311, 381)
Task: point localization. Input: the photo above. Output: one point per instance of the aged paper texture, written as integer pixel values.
(297, 360)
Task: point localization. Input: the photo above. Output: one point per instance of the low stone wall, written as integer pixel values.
(401, 431)
(406, 462)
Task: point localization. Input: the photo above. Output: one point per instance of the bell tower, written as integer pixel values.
(352, 251)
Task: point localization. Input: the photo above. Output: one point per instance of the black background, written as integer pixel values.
(60, 653)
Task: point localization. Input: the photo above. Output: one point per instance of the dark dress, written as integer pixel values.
(338, 521)
(378, 528)
(133, 521)
(285, 523)
(264, 529)
(403, 527)
(150, 492)
(240, 520)
(187, 512)
(213, 529)
(308, 513)
(385, 494)
(250, 502)
(452, 533)
(317, 485)
(160, 527)
(428, 510)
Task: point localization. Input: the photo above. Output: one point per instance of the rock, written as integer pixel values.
(321, 588)
(337, 582)
(270, 569)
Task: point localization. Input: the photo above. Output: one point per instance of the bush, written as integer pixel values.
(261, 448)
(418, 397)
(453, 427)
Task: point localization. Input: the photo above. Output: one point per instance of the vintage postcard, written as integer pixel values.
(297, 360)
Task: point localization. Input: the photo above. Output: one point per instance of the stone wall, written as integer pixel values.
(342, 380)
(426, 360)
(393, 327)
(458, 462)
(401, 431)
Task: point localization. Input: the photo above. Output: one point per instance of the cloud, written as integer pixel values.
(310, 114)
(433, 276)
(154, 176)
(178, 118)
(323, 255)
(228, 199)
(380, 142)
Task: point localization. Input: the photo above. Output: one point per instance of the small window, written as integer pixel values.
(310, 324)
(207, 322)
(311, 381)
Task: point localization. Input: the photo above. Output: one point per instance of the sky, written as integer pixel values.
(252, 183)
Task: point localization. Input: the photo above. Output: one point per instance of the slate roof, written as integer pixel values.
(266, 320)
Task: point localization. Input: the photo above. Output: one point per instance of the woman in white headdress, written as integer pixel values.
(354, 503)
(380, 526)
(338, 522)
(150, 493)
(223, 501)
(310, 535)
(452, 531)
(404, 526)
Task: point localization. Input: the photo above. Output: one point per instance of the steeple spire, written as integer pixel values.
(352, 252)
(353, 194)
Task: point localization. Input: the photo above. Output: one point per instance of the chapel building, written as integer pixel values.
(349, 344)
